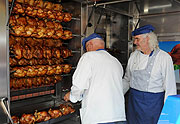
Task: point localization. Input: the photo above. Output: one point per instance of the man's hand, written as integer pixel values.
(67, 97)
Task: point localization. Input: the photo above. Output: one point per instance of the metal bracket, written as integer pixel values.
(89, 18)
(6, 110)
(99, 19)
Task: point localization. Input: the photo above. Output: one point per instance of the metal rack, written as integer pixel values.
(31, 90)
(45, 96)
(60, 119)
(80, 10)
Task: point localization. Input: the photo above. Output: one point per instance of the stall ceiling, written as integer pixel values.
(145, 6)
(164, 15)
(96, 1)
(158, 6)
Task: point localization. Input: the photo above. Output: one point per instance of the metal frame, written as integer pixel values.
(4, 60)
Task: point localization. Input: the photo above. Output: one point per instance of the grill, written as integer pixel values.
(43, 45)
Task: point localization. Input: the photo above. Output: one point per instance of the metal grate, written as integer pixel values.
(32, 92)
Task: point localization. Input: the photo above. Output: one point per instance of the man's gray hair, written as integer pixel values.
(98, 41)
(153, 41)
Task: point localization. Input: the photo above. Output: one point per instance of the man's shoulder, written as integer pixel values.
(163, 53)
(134, 53)
(89, 54)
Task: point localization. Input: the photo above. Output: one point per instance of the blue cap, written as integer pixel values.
(143, 30)
(90, 37)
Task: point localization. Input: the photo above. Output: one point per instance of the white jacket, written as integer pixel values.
(97, 81)
(162, 75)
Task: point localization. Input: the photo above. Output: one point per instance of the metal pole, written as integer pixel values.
(5, 109)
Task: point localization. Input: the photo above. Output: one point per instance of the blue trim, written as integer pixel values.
(151, 53)
(99, 49)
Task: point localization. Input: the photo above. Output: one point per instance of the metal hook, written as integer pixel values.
(5, 109)
(104, 6)
(94, 3)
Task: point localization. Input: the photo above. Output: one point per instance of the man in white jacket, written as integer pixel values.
(97, 81)
(150, 76)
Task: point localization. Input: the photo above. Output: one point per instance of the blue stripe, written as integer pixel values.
(151, 53)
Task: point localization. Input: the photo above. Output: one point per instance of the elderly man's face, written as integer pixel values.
(140, 42)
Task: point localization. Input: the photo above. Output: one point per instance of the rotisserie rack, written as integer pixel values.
(38, 53)
(45, 116)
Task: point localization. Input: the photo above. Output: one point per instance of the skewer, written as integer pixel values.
(10, 11)
(12, 55)
(11, 72)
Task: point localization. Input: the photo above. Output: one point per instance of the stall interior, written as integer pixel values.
(45, 46)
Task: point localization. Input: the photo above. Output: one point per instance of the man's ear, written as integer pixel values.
(90, 45)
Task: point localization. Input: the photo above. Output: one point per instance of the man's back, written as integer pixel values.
(103, 101)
